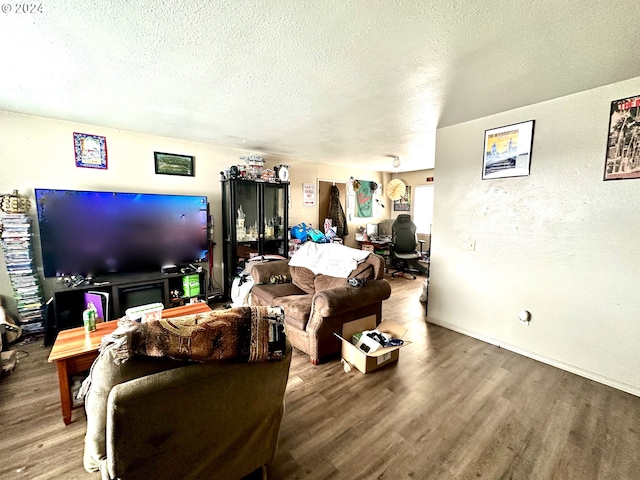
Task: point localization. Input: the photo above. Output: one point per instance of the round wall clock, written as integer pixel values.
(282, 172)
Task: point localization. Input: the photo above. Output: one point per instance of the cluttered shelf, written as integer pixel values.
(378, 246)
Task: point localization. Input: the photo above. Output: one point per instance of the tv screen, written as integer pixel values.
(93, 233)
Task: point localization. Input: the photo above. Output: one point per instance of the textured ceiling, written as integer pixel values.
(317, 80)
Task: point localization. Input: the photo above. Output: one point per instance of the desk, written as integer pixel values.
(382, 248)
(377, 244)
(75, 350)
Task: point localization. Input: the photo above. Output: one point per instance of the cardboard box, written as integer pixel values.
(368, 362)
(191, 285)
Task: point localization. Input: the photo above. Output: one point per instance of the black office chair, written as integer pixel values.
(403, 248)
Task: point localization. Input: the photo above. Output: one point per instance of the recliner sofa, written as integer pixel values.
(316, 306)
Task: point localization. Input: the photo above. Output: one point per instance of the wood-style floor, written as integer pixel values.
(451, 408)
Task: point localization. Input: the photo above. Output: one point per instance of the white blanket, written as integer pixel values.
(328, 258)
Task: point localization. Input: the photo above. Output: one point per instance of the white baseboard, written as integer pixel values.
(540, 358)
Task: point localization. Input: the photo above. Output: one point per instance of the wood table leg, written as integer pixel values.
(75, 350)
(65, 391)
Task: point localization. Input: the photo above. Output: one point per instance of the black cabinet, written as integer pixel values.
(124, 291)
(254, 222)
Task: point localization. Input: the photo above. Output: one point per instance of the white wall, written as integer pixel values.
(560, 243)
(305, 172)
(37, 152)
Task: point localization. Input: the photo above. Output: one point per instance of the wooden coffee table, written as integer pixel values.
(74, 351)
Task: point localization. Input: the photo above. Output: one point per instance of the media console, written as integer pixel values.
(65, 308)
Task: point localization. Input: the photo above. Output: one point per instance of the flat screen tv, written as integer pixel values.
(94, 233)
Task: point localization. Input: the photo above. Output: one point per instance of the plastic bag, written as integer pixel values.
(300, 232)
(316, 235)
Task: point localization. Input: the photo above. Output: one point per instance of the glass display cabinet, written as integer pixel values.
(254, 222)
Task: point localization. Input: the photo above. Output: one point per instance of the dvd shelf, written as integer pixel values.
(18, 254)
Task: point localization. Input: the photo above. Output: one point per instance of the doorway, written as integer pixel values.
(324, 197)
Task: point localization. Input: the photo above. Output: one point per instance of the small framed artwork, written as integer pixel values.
(90, 150)
(309, 194)
(404, 204)
(623, 142)
(174, 164)
(507, 151)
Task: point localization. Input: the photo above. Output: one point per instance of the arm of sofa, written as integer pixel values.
(262, 272)
(333, 301)
(183, 423)
(378, 265)
(333, 307)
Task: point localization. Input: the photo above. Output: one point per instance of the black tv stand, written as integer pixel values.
(65, 311)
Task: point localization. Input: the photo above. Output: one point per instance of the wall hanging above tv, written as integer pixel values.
(94, 233)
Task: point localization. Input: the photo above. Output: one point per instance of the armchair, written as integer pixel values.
(316, 306)
(164, 418)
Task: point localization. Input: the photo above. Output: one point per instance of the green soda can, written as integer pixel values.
(89, 319)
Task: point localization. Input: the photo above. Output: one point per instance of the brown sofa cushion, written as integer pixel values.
(378, 265)
(324, 282)
(303, 278)
(364, 271)
(263, 272)
(268, 292)
(297, 309)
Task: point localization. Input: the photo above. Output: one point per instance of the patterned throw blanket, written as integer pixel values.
(253, 334)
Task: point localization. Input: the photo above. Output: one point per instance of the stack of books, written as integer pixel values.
(18, 254)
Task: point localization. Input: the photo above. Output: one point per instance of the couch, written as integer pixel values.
(317, 305)
(158, 417)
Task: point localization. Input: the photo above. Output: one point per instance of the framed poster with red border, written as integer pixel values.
(623, 142)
